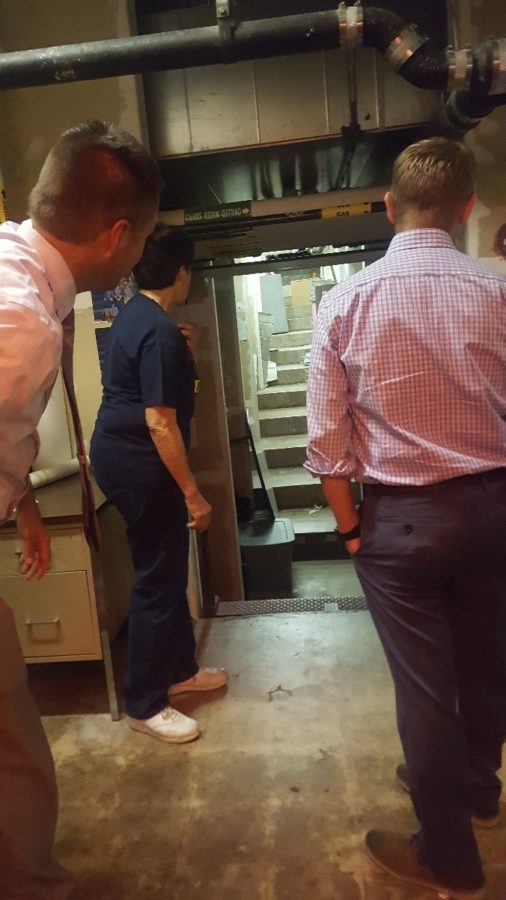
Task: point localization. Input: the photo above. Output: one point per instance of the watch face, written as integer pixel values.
(500, 242)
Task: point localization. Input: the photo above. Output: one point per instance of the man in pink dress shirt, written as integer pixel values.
(91, 210)
(407, 394)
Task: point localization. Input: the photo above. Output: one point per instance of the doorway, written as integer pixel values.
(265, 351)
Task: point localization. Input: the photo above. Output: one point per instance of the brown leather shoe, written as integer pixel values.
(397, 855)
(401, 773)
(206, 679)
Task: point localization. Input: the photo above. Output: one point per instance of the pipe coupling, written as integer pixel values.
(403, 46)
(351, 25)
(498, 85)
(460, 69)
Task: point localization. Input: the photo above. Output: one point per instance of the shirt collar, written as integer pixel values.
(56, 269)
(420, 237)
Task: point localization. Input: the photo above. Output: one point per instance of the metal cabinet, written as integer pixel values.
(56, 618)
(76, 609)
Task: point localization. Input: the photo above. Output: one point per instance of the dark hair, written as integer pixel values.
(165, 251)
(434, 176)
(94, 175)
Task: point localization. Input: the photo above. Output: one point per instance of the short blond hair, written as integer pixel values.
(434, 176)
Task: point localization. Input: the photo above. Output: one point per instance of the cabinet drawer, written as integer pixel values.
(68, 552)
(55, 616)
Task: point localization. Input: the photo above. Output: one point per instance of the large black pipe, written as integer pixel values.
(425, 68)
(413, 58)
(463, 112)
(167, 50)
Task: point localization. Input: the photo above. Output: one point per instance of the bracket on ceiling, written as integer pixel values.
(351, 25)
(226, 25)
(351, 28)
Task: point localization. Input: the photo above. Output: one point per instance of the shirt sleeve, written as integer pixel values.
(31, 349)
(328, 414)
(160, 367)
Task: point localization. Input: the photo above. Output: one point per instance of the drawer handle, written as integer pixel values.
(31, 622)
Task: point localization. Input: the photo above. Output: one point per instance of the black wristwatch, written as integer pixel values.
(349, 535)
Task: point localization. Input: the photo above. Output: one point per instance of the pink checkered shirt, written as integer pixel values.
(407, 379)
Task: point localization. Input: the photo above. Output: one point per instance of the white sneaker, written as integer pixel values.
(206, 679)
(168, 725)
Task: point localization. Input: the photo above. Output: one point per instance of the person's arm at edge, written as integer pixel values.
(22, 380)
(339, 496)
(34, 537)
(166, 436)
(329, 424)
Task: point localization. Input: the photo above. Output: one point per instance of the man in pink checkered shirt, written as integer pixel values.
(407, 394)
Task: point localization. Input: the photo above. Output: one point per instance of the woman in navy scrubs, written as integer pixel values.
(139, 459)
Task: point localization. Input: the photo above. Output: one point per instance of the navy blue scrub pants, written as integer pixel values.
(432, 564)
(161, 643)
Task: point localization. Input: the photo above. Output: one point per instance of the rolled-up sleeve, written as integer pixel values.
(328, 415)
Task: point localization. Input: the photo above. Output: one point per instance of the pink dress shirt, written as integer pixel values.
(37, 292)
(407, 380)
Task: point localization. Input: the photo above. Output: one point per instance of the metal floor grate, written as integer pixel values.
(290, 605)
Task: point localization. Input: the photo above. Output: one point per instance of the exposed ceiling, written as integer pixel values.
(312, 167)
(429, 15)
(292, 169)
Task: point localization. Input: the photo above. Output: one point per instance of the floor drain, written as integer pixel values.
(290, 605)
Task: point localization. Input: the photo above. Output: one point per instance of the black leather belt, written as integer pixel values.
(472, 478)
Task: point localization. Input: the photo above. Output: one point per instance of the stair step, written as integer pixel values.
(291, 339)
(284, 451)
(291, 373)
(281, 396)
(294, 487)
(302, 323)
(299, 311)
(287, 420)
(297, 488)
(289, 354)
(310, 520)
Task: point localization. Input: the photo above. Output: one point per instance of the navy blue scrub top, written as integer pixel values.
(147, 363)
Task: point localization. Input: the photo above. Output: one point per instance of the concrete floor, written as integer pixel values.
(295, 763)
(325, 578)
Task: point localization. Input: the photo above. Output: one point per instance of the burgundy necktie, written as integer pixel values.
(91, 526)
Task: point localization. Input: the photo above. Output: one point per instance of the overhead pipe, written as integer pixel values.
(472, 76)
(169, 50)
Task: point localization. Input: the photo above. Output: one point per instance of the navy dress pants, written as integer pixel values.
(432, 564)
(161, 643)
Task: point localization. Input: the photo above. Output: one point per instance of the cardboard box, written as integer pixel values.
(301, 292)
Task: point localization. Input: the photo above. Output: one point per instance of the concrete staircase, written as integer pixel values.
(283, 428)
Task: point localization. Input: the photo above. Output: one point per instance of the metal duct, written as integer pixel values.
(471, 73)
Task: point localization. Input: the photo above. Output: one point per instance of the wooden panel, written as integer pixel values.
(68, 552)
(55, 616)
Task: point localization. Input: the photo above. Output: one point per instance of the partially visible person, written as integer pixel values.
(407, 394)
(139, 459)
(91, 210)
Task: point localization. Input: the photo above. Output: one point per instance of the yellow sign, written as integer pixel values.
(228, 247)
(3, 207)
(347, 209)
